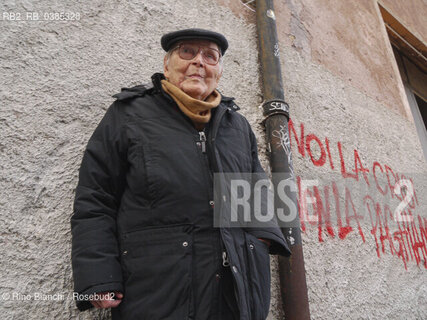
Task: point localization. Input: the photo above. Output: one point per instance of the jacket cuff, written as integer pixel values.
(82, 298)
(278, 244)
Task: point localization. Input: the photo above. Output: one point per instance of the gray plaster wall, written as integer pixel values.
(346, 279)
(56, 84)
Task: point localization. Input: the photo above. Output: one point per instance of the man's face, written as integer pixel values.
(195, 77)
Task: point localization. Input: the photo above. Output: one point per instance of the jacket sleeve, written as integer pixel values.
(95, 251)
(271, 230)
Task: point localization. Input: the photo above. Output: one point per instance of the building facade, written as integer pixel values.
(354, 75)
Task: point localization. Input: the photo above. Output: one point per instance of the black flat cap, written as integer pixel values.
(169, 39)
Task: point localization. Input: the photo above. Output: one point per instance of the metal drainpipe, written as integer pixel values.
(293, 284)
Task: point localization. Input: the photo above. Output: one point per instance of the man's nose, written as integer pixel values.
(198, 59)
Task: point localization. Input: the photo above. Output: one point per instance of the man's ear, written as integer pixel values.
(165, 67)
(218, 77)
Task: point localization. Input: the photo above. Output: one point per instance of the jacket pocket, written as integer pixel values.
(157, 265)
(259, 276)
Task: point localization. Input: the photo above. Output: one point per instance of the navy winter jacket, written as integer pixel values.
(143, 213)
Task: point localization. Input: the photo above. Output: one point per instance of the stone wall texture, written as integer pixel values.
(342, 84)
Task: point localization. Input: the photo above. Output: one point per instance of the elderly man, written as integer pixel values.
(144, 239)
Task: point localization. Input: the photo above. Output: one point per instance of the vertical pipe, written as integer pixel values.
(276, 112)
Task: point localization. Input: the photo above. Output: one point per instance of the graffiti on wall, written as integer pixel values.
(375, 202)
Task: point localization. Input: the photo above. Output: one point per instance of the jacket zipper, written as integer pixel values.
(203, 146)
(203, 140)
(211, 164)
(208, 149)
(225, 261)
(211, 159)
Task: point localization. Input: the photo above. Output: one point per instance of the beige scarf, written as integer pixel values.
(197, 110)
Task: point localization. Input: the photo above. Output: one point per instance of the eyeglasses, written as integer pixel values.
(189, 51)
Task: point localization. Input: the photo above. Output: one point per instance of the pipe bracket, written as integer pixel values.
(273, 107)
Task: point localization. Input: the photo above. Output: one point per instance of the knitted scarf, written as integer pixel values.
(197, 110)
